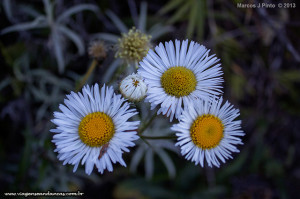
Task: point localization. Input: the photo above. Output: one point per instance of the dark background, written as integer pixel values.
(259, 52)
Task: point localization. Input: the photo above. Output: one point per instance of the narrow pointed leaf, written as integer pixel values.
(180, 14)
(168, 162)
(58, 51)
(149, 164)
(111, 69)
(76, 9)
(74, 37)
(48, 10)
(29, 11)
(170, 6)
(158, 30)
(117, 21)
(136, 158)
(39, 22)
(106, 37)
(7, 9)
(192, 21)
(143, 16)
(200, 18)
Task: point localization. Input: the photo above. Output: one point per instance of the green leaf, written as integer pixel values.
(58, 50)
(26, 157)
(235, 166)
(12, 52)
(7, 9)
(48, 6)
(39, 22)
(158, 30)
(143, 17)
(201, 13)
(74, 37)
(180, 14)
(238, 84)
(5, 82)
(136, 158)
(290, 75)
(167, 162)
(106, 37)
(274, 168)
(149, 163)
(29, 10)
(111, 70)
(192, 21)
(170, 6)
(117, 21)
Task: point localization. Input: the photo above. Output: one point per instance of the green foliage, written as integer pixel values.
(59, 31)
(194, 11)
(261, 78)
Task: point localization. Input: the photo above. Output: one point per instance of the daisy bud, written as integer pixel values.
(133, 88)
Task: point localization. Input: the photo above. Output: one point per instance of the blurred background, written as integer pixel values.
(44, 55)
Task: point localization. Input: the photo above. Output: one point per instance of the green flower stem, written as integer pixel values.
(158, 137)
(147, 124)
(87, 75)
(144, 140)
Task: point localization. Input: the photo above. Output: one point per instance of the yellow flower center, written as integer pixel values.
(207, 131)
(96, 129)
(133, 46)
(178, 81)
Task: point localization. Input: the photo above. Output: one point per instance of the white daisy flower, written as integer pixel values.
(176, 76)
(133, 87)
(93, 128)
(208, 130)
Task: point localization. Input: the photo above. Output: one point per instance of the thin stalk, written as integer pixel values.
(210, 176)
(147, 124)
(144, 140)
(87, 75)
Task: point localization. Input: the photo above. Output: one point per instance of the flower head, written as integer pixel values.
(208, 130)
(177, 76)
(133, 46)
(93, 128)
(133, 87)
(97, 50)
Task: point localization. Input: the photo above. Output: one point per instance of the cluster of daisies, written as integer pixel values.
(95, 126)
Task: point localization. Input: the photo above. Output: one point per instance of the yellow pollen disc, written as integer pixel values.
(96, 129)
(207, 131)
(178, 81)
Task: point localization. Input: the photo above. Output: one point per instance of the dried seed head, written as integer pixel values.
(133, 46)
(97, 50)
